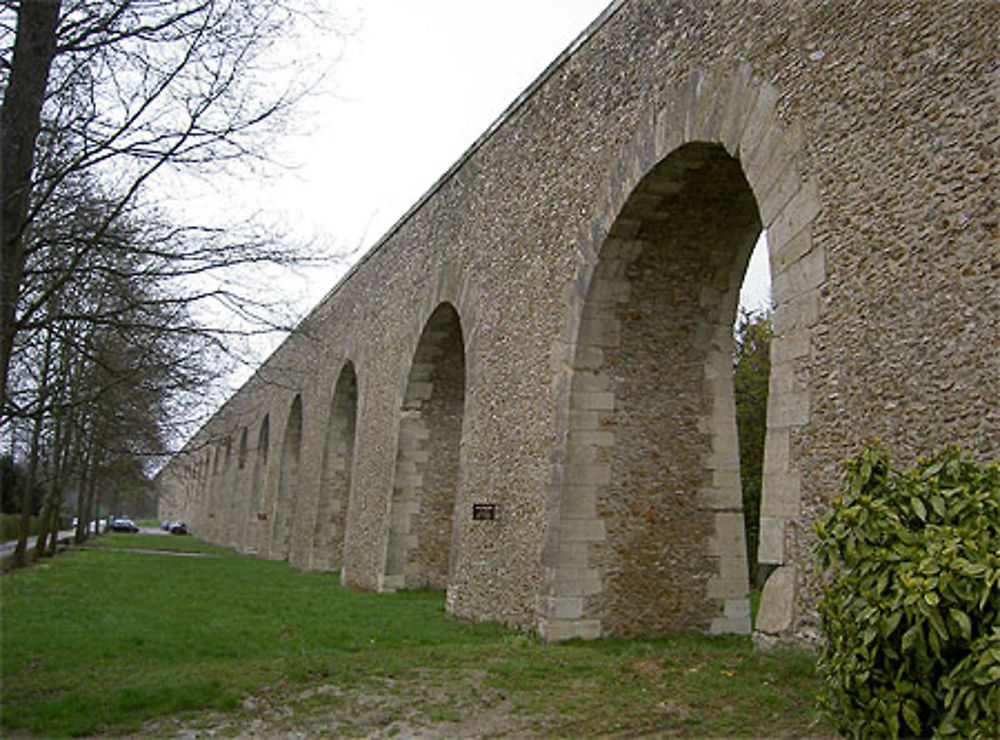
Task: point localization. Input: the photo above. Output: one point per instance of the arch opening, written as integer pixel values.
(288, 483)
(206, 483)
(226, 498)
(236, 528)
(426, 476)
(213, 492)
(256, 516)
(335, 485)
(651, 527)
(752, 335)
(241, 458)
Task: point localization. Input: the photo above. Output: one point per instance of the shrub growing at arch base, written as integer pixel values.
(911, 597)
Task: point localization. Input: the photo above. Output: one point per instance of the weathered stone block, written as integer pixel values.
(788, 409)
(796, 215)
(787, 183)
(583, 530)
(572, 555)
(761, 118)
(797, 312)
(788, 347)
(565, 607)
(580, 502)
(807, 274)
(771, 548)
(595, 438)
(593, 401)
(582, 582)
(774, 616)
(589, 475)
(782, 494)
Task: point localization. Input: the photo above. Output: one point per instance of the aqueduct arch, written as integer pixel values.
(335, 484)
(647, 529)
(256, 517)
(287, 497)
(427, 470)
(237, 502)
(650, 521)
(594, 348)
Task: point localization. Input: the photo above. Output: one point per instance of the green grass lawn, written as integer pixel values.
(166, 542)
(120, 637)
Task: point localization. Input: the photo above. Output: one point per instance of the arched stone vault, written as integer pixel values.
(335, 484)
(256, 516)
(730, 110)
(595, 318)
(427, 471)
(289, 480)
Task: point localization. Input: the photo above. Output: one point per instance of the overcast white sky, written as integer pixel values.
(415, 84)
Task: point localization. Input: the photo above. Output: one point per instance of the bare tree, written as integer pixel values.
(96, 370)
(26, 76)
(102, 298)
(124, 89)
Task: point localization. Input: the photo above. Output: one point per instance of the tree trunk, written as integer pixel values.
(84, 500)
(55, 522)
(44, 528)
(93, 503)
(90, 508)
(24, 525)
(19, 558)
(34, 48)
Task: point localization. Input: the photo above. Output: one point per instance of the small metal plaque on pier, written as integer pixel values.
(484, 512)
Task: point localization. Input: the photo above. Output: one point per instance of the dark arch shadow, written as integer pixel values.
(256, 516)
(650, 536)
(426, 477)
(335, 485)
(288, 483)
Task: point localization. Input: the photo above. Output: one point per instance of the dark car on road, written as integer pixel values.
(178, 528)
(123, 525)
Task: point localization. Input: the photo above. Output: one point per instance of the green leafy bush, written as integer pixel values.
(911, 597)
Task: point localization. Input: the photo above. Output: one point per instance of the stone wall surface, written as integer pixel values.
(593, 303)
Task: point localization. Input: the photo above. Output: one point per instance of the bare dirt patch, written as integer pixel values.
(427, 703)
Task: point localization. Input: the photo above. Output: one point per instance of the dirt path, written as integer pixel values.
(432, 704)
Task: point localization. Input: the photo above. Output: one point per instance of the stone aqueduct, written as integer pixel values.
(545, 337)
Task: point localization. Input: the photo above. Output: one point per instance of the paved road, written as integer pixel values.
(7, 548)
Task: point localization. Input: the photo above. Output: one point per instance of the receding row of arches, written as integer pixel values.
(648, 533)
(253, 523)
(425, 479)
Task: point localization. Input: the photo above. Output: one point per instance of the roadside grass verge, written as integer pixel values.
(110, 641)
(164, 542)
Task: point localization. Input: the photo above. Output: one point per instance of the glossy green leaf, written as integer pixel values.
(911, 716)
(961, 619)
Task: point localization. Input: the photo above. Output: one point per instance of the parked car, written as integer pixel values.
(166, 524)
(178, 528)
(123, 525)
